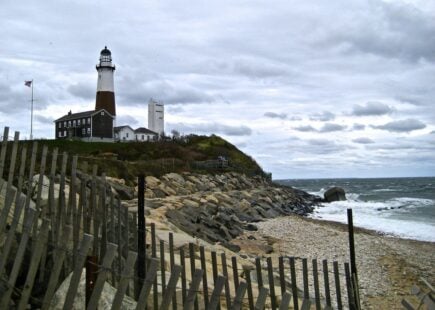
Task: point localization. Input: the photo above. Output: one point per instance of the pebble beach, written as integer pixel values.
(387, 266)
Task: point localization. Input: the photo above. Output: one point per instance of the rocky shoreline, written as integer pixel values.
(387, 266)
(218, 208)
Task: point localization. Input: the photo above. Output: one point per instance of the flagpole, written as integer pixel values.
(31, 115)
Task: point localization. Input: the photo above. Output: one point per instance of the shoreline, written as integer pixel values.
(387, 266)
(357, 229)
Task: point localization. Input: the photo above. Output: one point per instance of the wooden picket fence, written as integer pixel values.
(88, 228)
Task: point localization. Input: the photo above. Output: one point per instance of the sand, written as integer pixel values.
(387, 266)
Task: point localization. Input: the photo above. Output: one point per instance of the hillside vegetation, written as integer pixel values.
(127, 160)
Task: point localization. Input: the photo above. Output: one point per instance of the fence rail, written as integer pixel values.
(75, 222)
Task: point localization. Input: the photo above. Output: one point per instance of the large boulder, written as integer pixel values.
(335, 194)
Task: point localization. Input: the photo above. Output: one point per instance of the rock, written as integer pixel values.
(152, 182)
(124, 192)
(174, 177)
(105, 301)
(335, 194)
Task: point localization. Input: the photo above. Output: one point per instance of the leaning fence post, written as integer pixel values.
(215, 295)
(102, 276)
(171, 288)
(75, 278)
(148, 283)
(193, 289)
(60, 254)
(4, 301)
(240, 292)
(33, 268)
(127, 272)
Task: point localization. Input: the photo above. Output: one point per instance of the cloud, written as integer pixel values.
(212, 128)
(388, 29)
(170, 92)
(330, 127)
(305, 128)
(258, 68)
(275, 115)
(295, 118)
(371, 108)
(43, 119)
(82, 90)
(324, 116)
(363, 140)
(405, 125)
(122, 120)
(357, 126)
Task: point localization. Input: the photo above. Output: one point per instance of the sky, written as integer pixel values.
(309, 89)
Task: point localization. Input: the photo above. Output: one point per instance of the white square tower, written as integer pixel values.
(156, 121)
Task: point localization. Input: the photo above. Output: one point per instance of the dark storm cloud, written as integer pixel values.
(275, 115)
(371, 108)
(330, 127)
(405, 125)
(210, 128)
(363, 140)
(324, 116)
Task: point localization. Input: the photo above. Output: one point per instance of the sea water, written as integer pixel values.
(403, 207)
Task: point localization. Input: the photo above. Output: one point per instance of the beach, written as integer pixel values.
(387, 266)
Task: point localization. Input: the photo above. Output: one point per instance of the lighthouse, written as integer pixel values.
(105, 86)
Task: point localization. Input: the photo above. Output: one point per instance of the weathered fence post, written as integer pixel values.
(140, 233)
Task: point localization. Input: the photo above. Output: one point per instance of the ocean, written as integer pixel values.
(402, 207)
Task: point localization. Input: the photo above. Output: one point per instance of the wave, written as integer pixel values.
(405, 217)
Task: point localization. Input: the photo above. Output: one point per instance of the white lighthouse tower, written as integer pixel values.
(156, 117)
(105, 86)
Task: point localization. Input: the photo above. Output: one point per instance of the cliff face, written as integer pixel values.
(217, 208)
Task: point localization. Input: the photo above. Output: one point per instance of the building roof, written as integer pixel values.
(118, 128)
(71, 116)
(144, 130)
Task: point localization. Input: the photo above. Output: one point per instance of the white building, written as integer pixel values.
(144, 134)
(124, 133)
(156, 121)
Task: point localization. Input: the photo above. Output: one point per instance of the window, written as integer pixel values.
(74, 123)
(83, 131)
(102, 112)
(89, 120)
(143, 137)
(64, 124)
(126, 134)
(59, 125)
(78, 122)
(59, 134)
(64, 133)
(69, 123)
(89, 130)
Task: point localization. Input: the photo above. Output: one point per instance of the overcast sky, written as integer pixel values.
(308, 88)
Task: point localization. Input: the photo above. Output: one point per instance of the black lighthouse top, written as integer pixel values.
(106, 52)
(105, 59)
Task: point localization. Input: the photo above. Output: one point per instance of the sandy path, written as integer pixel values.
(387, 266)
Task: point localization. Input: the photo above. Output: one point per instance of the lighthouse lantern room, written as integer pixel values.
(105, 86)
